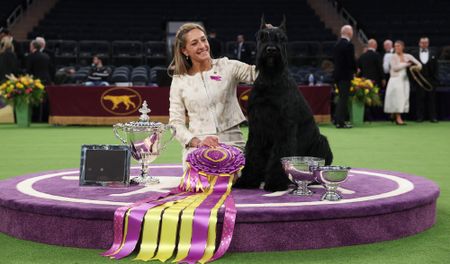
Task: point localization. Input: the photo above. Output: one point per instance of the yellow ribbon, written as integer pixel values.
(186, 225)
(150, 232)
(169, 225)
(211, 243)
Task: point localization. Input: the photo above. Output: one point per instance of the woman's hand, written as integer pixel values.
(210, 141)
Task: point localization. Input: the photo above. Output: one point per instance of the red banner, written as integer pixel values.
(105, 105)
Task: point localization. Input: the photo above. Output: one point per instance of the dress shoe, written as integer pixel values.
(400, 124)
(419, 120)
(343, 126)
(433, 120)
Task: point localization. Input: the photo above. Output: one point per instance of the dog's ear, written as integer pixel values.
(283, 24)
(263, 22)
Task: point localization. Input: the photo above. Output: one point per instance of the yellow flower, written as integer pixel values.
(19, 85)
(9, 88)
(336, 91)
(352, 89)
(23, 79)
(40, 86)
(366, 91)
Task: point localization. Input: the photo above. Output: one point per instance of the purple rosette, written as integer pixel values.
(224, 159)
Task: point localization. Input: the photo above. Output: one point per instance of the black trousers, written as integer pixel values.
(427, 98)
(341, 112)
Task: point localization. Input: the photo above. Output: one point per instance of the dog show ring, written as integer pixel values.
(50, 207)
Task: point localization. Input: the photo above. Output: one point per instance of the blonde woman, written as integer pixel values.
(9, 63)
(396, 101)
(205, 90)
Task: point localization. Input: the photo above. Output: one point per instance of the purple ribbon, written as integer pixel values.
(201, 221)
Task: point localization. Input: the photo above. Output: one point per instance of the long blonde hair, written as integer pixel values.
(6, 43)
(180, 64)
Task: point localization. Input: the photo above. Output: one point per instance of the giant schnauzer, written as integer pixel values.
(280, 121)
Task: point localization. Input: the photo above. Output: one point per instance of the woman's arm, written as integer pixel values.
(243, 72)
(414, 60)
(177, 113)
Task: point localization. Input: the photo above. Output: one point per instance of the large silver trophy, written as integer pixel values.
(145, 140)
(299, 169)
(331, 177)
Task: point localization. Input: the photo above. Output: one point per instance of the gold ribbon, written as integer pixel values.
(420, 79)
(211, 243)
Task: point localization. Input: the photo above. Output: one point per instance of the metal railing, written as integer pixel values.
(17, 13)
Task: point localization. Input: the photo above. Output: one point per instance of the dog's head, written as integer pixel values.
(271, 47)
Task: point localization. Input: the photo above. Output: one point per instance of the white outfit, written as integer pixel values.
(386, 61)
(211, 103)
(397, 90)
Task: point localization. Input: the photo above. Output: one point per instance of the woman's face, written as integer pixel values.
(398, 48)
(197, 46)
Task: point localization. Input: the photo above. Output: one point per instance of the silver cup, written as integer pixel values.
(299, 170)
(331, 177)
(145, 140)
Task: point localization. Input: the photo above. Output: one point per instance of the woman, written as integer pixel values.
(205, 89)
(397, 91)
(9, 64)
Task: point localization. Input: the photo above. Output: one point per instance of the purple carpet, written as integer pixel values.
(50, 207)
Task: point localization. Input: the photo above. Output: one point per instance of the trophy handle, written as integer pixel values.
(117, 134)
(174, 132)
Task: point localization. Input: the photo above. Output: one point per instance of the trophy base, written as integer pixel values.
(302, 189)
(145, 181)
(331, 196)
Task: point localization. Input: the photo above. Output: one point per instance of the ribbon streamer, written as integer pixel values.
(183, 221)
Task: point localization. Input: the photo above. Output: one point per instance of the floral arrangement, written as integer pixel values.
(364, 91)
(22, 89)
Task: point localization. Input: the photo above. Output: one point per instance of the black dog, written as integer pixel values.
(281, 123)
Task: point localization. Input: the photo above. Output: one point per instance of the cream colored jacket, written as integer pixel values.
(209, 99)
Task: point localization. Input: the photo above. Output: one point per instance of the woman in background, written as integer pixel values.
(396, 101)
(9, 64)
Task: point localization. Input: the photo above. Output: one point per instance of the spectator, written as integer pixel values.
(396, 101)
(242, 50)
(370, 64)
(99, 74)
(38, 63)
(426, 92)
(388, 52)
(17, 48)
(9, 64)
(50, 54)
(214, 44)
(344, 70)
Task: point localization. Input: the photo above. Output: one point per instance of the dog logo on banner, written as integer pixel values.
(120, 100)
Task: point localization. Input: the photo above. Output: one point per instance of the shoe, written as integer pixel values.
(400, 124)
(419, 120)
(343, 126)
(433, 120)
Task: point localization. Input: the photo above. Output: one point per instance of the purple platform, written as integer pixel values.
(50, 207)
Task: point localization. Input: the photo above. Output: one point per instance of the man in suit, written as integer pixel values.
(50, 54)
(242, 51)
(344, 70)
(370, 64)
(38, 63)
(430, 71)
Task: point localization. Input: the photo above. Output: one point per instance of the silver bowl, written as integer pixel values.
(331, 177)
(299, 170)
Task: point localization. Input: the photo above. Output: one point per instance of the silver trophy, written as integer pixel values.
(299, 170)
(331, 177)
(145, 140)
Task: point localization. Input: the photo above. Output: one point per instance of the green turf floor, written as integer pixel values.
(420, 149)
